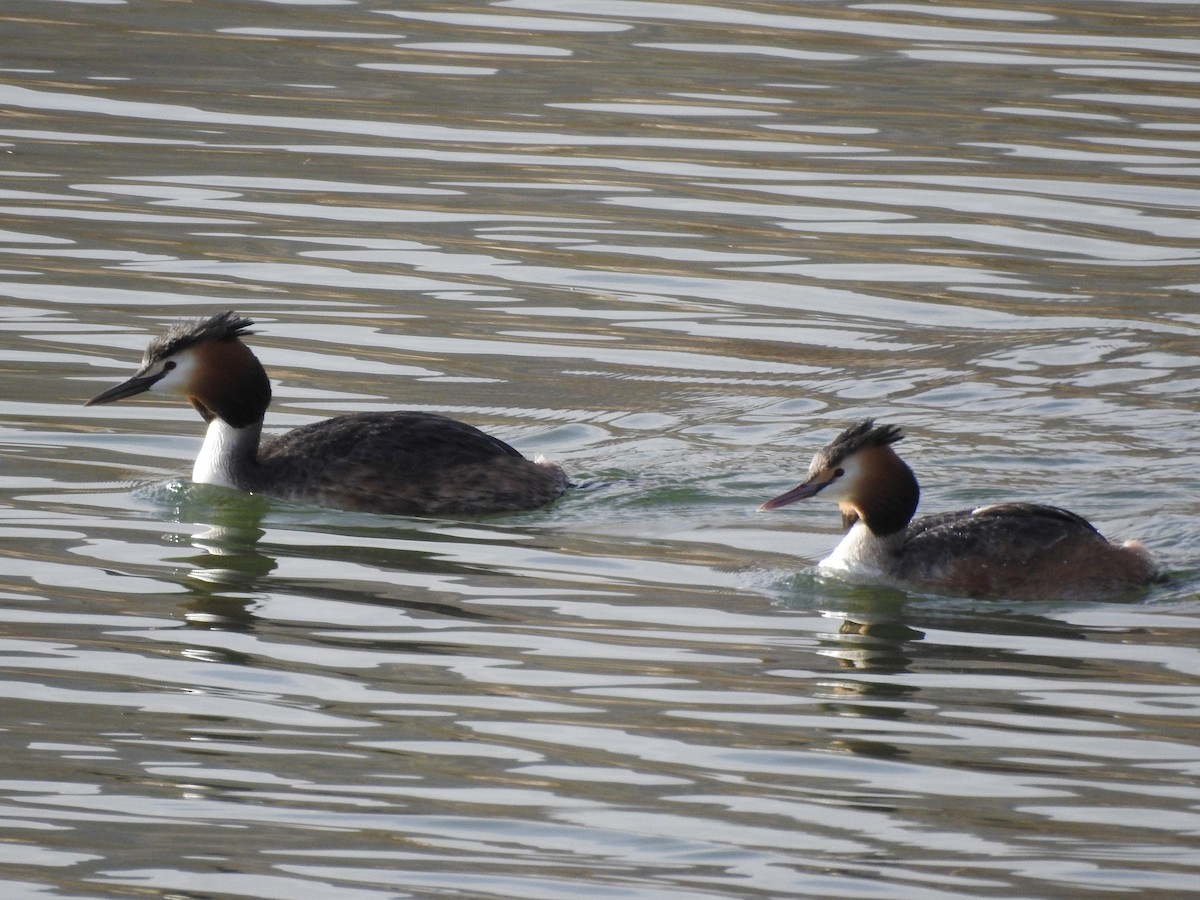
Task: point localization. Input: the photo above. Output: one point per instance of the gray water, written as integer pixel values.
(675, 247)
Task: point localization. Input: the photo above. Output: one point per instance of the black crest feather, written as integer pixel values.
(857, 437)
(224, 326)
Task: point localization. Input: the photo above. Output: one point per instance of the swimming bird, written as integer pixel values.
(1016, 551)
(402, 463)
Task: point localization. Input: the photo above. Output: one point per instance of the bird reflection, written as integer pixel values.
(879, 644)
(236, 561)
(886, 630)
(872, 625)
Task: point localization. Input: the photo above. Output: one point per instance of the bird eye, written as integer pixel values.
(169, 365)
(838, 473)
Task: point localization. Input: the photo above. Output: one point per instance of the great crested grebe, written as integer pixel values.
(1015, 551)
(403, 463)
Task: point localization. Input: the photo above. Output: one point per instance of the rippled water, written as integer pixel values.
(675, 247)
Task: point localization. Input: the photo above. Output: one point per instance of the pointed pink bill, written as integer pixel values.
(134, 386)
(799, 492)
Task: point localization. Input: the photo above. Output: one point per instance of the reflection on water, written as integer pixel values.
(667, 244)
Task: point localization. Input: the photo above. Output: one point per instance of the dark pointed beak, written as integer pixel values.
(799, 492)
(138, 384)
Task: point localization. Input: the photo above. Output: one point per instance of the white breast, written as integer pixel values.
(215, 464)
(860, 555)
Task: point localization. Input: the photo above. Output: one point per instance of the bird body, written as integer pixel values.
(1024, 551)
(402, 463)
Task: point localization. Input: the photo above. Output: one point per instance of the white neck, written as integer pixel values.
(863, 553)
(228, 456)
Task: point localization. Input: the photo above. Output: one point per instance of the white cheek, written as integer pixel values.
(837, 490)
(177, 379)
(843, 487)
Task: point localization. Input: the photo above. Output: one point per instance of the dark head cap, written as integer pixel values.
(224, 326)
(857, 437)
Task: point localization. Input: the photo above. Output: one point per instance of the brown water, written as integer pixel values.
(675, 247)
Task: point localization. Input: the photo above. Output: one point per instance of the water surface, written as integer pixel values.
(675, 247)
